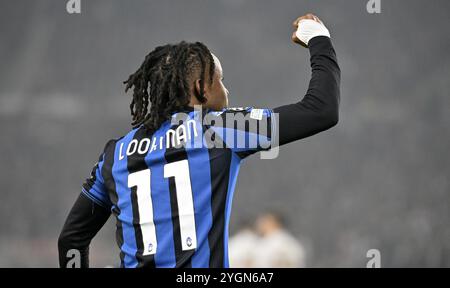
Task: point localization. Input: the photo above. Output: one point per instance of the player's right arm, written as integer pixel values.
(319, 108)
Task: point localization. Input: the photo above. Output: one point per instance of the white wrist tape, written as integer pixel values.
(308, 29)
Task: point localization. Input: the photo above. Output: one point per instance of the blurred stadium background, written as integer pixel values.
(384, 170)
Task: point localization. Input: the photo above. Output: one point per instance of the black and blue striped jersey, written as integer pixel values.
(172, 204)
(171, 189)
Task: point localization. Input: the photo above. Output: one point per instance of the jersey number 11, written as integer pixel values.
(141, 180)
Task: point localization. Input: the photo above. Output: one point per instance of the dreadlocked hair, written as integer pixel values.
(161, 85)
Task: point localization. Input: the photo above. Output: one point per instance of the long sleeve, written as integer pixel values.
(319, 108)
(85, 219)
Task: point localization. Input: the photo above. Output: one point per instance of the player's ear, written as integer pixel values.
(197, 90)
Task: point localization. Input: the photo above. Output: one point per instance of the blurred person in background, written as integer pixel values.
(277, 247)
(242, 247)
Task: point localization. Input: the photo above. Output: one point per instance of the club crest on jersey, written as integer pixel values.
(189, 241)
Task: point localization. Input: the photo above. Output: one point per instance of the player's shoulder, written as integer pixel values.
(111, 143)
